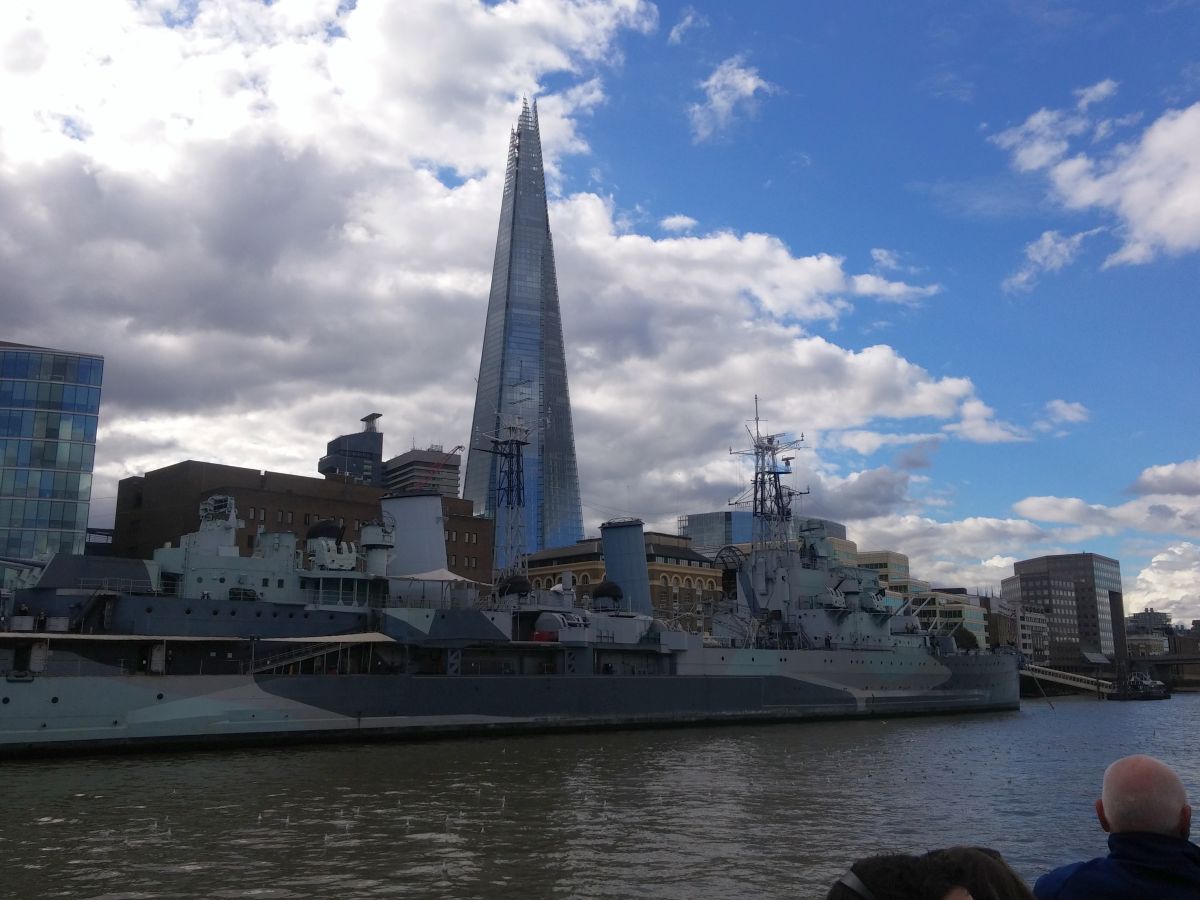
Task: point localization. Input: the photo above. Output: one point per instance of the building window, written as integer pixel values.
(306, 518)
(451, 559)
(262, 514)
(289, 517)
(251, 516)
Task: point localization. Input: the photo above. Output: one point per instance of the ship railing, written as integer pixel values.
(118, 585)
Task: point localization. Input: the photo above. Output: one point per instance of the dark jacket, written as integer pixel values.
(1139, 864)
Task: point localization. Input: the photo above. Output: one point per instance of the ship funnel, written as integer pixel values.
(420, 534)
(624, 547)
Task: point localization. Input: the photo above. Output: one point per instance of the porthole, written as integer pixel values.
(258, 614)
(160, 696)
(188, 611)
(149, 609)
(53, 699)
(214, 612)
(5, 699)
(221, 579)
(233, 612)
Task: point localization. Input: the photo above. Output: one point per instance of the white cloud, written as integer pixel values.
(689, 21)
(1049, 253)
(868, 442)
(975, 552)
(1065, 411)
(977, 423)
(1097, 92)
(1061, 412)
(1155, 514)
(1150, 186)
(729, 91)
(1172, 478)
(895, 291)
(1169, 583)
(1042, 139)
(678, 222)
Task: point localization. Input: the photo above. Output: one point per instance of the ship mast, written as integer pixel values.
(509, 445)
(769, 498)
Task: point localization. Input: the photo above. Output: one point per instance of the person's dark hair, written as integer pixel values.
(895, 876)
(983, 872)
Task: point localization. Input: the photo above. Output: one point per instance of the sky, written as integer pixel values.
(956, 246)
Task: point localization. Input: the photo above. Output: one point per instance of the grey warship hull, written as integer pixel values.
(111, 712)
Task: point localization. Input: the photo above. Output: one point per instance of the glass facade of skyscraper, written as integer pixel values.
(522, 370)
(49, 406)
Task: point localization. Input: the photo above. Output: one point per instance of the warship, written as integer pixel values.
(322, 639)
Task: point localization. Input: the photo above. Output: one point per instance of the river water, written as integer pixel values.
(754, 811)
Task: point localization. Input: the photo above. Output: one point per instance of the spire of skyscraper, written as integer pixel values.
(523, 370)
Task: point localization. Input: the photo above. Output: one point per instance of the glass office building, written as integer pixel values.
(523, 370)
(357, 457)
(49, 406)
(1099, 601)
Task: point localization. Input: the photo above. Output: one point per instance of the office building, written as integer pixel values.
(522, 392)
(49, 409)
(357, 457)
(431, 469)
(1099, 603)
(892, 569)
(1054, 598)
(711, 531)
(953, 612)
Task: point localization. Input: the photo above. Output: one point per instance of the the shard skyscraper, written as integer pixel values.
(522, 396)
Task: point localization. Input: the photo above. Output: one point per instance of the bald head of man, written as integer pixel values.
(1143, 794)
